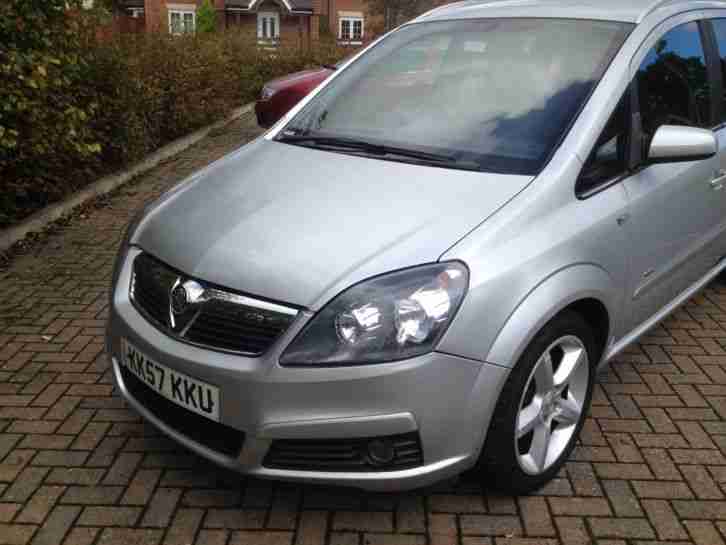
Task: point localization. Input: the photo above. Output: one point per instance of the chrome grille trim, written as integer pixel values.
(215, 319)
(242, 300)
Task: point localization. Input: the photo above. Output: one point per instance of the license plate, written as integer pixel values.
(190, 393)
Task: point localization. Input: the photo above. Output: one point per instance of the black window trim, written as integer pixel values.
(615, 180)
(634, 155)
(584, 195)
(713, 57)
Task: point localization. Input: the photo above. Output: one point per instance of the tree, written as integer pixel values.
(206, 18)
(112, 6)
(397, 12)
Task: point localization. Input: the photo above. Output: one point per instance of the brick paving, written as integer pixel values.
(77, 467)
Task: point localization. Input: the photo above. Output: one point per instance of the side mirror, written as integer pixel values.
(675, 144)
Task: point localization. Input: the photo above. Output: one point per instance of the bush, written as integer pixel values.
(76, 108)
(153, 89)
(44, 119)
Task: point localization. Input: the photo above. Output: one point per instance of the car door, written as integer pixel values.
(718, 33)
(674, 208)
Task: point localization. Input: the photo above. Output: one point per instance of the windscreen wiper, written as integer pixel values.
(438, 159)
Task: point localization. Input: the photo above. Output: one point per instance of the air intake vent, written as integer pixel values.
(346, 455)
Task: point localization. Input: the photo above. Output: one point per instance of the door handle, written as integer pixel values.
(719, 179)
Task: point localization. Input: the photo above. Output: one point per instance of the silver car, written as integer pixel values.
(421, 268)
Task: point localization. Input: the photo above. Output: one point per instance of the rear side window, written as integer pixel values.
(719, 28)
(673, 83)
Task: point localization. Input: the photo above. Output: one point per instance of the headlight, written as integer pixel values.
(134, 223)
(387, 318)
(267, 93)
(123, 249)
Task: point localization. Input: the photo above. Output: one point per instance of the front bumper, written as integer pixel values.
(447, 400)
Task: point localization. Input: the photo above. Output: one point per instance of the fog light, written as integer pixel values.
(381, 452)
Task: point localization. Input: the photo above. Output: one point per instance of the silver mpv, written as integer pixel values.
(419, 270)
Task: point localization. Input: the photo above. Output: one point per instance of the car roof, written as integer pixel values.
(631, 11)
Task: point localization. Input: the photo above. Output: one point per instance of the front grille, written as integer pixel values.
(216, 319)
(223, 325)
(343, 455)
(152, 283)
(213, 435)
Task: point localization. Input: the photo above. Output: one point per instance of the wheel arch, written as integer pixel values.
(594, 312)
(585, 288)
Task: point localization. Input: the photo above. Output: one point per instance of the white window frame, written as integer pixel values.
(136, 13)
(182, 12)
(268, 15)
(352, 19)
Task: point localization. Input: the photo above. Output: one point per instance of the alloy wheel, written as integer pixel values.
(552, 405)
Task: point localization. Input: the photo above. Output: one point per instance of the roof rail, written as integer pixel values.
(659, 4)
(463, 3)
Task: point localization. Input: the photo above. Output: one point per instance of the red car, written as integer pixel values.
(280, 95)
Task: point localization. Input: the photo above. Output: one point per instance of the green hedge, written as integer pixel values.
(96, 105)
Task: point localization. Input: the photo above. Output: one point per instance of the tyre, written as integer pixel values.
(542, 408)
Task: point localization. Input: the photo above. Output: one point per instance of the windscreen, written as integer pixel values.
(500, 93)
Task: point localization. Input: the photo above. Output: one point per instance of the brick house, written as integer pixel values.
(272, 20)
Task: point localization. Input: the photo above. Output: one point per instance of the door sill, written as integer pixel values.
(666, 311)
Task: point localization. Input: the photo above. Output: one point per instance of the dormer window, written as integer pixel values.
(268, 26)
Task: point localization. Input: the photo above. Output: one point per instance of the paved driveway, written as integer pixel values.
(78, 467)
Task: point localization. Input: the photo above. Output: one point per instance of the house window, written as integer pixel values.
(268, 26)
(351, 29)
(182, 21)
(136, 13)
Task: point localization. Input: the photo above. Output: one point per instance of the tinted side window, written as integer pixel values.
(719, 28)
(673, 82)
(609, 158)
